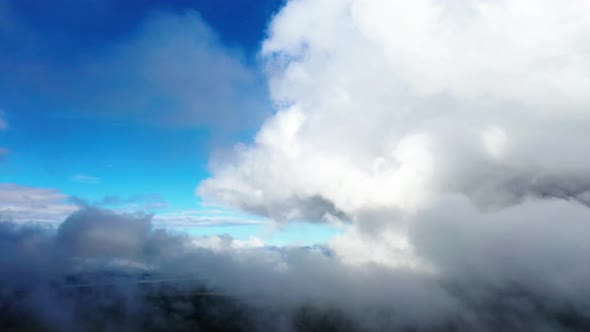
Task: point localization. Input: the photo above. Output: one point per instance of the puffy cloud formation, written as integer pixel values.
(451, 137)
(384, 107)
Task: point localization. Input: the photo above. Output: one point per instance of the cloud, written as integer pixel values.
(3, 126)
(138, 202)
(204, 217)
(23, 204)
(96, 233)
(98, 249)
(171, 70)
(405, 110)
(449, 139)
(129, 263)
(3, 123)
(81, 178)
(3, 153)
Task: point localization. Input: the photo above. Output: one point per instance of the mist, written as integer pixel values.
(115, 272)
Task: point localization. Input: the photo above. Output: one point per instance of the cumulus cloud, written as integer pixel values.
(3, 126)
(450, 138)
(420, 100)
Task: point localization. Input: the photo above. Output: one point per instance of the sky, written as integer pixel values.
(388, 165)
(122, 103)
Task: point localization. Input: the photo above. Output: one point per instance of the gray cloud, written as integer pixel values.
(205, 217)
(3, 126)
(96, 233)
(98, 261)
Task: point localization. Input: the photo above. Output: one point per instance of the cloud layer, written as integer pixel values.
(115, 272)
(22, 204)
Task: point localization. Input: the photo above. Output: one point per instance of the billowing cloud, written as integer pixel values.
(450, 138)
(418, 101)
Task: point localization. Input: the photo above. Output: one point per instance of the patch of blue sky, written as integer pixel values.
(92, 114)
(300, 234)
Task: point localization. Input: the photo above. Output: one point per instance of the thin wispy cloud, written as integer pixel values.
(22, 204)
(3, 126)
(4, 152)
(171, 71)
(3, 123)
(138, 202)
(206, 218)
(81, 178)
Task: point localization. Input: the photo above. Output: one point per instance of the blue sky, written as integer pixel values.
(122, 103)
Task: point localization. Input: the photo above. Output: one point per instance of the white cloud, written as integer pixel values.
(388, 105)
(81, 178)
(28, 204)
